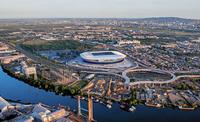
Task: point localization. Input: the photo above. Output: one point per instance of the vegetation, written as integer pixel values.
(1, 38)
(48, 85)
(78, 85)
(41, 45)
(132, 100)
(196, 80)
(148, 41)
(182, 86)
(185, 86)
(191, 73)
(132, 80)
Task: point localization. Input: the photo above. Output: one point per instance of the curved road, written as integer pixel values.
(127, 79)
(173, 79)
(164, 82)
(124, 73)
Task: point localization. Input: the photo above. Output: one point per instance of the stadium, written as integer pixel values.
(102, 61)
(103, 57)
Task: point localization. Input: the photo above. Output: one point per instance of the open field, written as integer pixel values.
(78, 85)
(39, 45)
(148, 76)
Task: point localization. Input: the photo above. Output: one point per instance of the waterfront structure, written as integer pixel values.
(103, 57)
(57, 115)
(90, 117)
(3, 105)
(28, 70)
(79, 106)
(23, 118)
(90, 109)
(109, 88)
(34, 113)
(41, 113)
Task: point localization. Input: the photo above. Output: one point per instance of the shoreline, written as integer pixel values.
(42, 84)
(60, 93)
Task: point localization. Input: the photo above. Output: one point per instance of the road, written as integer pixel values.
(127, 79)
(173, 79)
(164, 82)
(47, 63)
(54, 65)
(41, 60)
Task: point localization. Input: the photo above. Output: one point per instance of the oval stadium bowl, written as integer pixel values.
(103, 57)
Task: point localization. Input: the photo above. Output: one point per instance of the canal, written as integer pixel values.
(11, 88)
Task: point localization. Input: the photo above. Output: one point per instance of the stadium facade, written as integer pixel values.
(103, 57)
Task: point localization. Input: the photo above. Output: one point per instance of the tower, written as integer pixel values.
(79, 106)
(90, 109)
(109, 87)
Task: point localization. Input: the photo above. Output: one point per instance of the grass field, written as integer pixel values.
(192, 73)
(148, 76)
(41, 45)
(78, 85)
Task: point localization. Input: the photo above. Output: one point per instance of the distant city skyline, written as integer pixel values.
(99, 8)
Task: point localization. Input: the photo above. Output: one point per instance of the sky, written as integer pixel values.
(99, 8)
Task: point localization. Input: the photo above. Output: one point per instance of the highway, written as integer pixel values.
(164, 82)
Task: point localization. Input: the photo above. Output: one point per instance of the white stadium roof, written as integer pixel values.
(102, 56)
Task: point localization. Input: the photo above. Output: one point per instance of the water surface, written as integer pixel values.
(11, 88)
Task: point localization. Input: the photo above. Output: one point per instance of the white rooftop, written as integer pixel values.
(102, 55)
(3, 103)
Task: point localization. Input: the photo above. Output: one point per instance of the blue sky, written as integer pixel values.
(99, 8)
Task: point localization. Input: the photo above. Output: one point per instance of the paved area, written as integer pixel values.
(78, 62)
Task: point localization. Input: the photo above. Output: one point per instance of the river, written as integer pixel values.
(11, 88)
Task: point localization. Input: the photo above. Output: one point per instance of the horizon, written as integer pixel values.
(99, 9)
(156, 17)
(100, 60)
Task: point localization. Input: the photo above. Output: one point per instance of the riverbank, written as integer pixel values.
(72, 90)
(43, 83)
(16, 112)
(13, 89)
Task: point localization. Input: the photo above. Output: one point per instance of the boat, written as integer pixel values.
(83, 98)
(132, 108)
(109, 102)
(153, 105)
(127, 107)
(185, 108)
(108, 106)
(158, 105)
(122, 106)
(97, 100)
